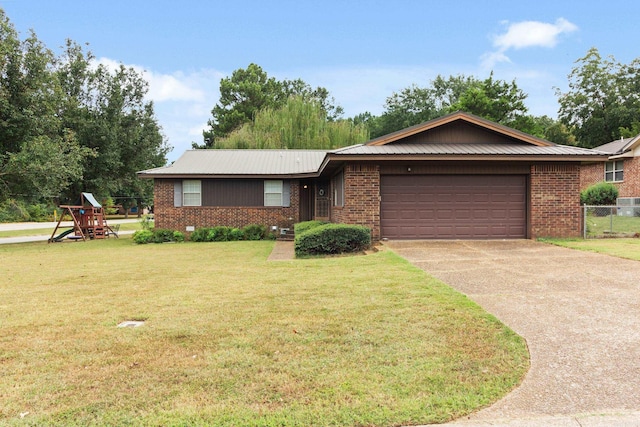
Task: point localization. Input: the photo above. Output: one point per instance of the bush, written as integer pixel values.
(301, 227)
(142, 237)
(332, 239)
(255, 232)
(17, 211)
(161, 235)
(602, 193)
(235, 234)
(221, 233)
(199, 235)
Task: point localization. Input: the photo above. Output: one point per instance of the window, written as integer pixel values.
(338, 189)
(613, 171)
(273, 193)
(191, 193)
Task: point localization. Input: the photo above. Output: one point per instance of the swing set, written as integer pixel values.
(88, 221)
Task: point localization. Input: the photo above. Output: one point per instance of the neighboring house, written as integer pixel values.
(622, 167)
(455, 177)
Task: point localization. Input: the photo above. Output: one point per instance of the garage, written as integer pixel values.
(453, 206)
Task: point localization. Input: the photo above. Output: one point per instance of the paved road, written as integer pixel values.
(14, 226)
(579, 313)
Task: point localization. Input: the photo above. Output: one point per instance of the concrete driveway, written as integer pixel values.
(579, 313)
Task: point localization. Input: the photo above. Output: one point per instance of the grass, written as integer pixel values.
(604, 225)
(233, 340)
(623, 248)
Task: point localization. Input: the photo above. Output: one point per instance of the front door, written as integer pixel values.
(323, 201)
(306, 200)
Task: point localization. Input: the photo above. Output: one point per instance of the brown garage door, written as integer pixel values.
(453, 206)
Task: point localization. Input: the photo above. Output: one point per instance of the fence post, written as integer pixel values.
(584, 222)
(611, 221)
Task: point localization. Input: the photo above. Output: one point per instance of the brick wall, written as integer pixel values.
(178, 218)
(630, 187)
(555, 200)
(361, 198)
(591, 174)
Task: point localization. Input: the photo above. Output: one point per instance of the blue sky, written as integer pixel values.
(361, 51)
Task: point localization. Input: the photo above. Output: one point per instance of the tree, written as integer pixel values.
(248, 91)
(107, 111)
(298, 124)
(496, 100)
(409, 107)
(67, 125)
(603, 99)
(39, 157)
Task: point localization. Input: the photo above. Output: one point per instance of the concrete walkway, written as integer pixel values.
(579, 313)
(282, 251)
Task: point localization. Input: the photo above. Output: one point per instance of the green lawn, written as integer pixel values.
(231, 339)
(612, 224)
(623, 248)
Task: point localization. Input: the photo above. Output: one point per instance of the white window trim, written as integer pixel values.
(273, 193)
(614, 170)
(191, 197)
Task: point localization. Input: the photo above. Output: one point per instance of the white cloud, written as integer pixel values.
(525, 34)
(533, 33)
(489, 59)
(164, 87)
(182, 102)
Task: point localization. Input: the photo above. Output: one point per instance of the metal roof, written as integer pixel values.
(466, 149)
(242, 163)
(614, 147)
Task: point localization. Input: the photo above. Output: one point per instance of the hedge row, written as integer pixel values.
(327, 239)
(301, 227)
(227, 234)
(157, 235)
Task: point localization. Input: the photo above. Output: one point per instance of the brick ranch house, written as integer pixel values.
(455, 177)
(622, 167)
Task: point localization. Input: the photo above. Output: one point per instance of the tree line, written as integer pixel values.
(601, 104)
(69, 125)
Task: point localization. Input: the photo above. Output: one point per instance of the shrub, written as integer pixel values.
(301, 227)
(142, 237)
(161, 235)
(332, 239)
(255, 232)
(218, 234)
(602, 193)
(235, 234)
(40, 212)
(145, 222)
(221, 233)
(18, 211)
(157, 236)
(199, 235)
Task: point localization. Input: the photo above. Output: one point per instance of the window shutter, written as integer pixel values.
(286, 194)
(177, 194)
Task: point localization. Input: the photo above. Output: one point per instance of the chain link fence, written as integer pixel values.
(611, 221)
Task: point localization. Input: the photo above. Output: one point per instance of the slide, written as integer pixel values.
(62, 235)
